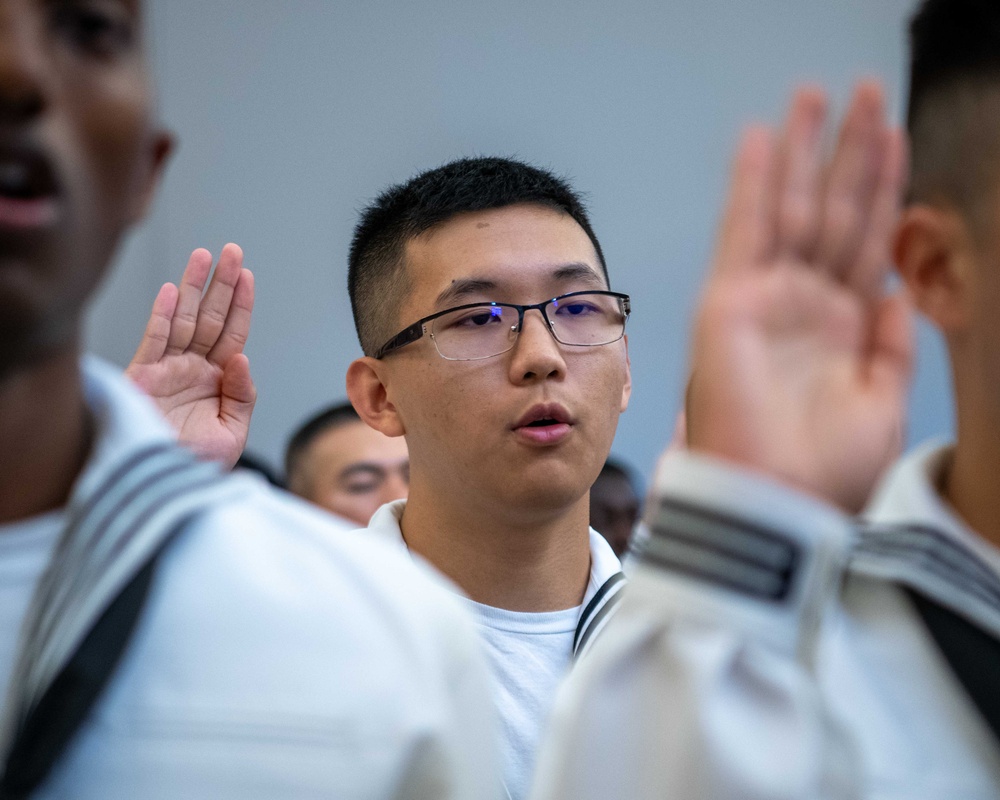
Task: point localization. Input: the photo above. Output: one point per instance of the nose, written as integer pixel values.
(536, 353)
(22, 61)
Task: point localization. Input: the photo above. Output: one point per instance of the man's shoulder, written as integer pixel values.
(263, 595)
(265, 536)
(271, 633)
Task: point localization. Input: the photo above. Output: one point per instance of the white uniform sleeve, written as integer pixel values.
(703, 686)
(459, 760)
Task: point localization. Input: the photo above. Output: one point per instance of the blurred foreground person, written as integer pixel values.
(339, 463)
(770, 646)
(166, 630)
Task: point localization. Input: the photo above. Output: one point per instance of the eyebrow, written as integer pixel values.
(579, 271)
(462, 288)
(465, 287)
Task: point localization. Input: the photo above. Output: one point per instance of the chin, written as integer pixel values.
(26, 344)
(544, 495)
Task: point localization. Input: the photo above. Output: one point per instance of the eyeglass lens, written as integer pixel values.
(488, 330)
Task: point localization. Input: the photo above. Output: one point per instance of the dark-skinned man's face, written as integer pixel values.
(79, 157)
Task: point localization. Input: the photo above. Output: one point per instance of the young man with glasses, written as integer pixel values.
(494, 344)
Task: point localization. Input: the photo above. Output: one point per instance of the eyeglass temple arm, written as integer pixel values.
(402, 339)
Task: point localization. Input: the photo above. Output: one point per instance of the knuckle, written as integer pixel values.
(797, 220)
(212, 315)
(237, 338)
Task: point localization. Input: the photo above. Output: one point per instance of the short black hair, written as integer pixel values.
(330, 417)
(377, 281)
(260, 465)
(953, 104)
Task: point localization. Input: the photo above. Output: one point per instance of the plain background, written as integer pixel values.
(291, 115)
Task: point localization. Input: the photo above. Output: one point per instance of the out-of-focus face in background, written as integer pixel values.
(351, 470)
(614, 507)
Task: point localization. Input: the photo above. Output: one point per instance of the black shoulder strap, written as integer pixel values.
(64, 706)
(89, 601)
(955, 593)
(973, 654)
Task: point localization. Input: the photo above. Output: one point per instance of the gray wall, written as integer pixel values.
(292, 114)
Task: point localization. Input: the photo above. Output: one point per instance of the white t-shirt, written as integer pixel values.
(529, 654)
(25, 549)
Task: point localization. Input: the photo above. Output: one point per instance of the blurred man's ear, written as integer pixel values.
(368, 395)
(161, 146)
(627, 386)
(935, 257)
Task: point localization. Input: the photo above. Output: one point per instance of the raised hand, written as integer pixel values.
(801, 361)
(190, 360)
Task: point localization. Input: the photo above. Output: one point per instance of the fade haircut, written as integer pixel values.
(377, 278)
(331, 417)
(953, 116)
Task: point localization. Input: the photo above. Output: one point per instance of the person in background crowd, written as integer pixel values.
(257, 464)
(339, 463)
(615, 505)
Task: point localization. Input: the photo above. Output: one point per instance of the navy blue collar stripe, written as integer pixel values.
(598, 611)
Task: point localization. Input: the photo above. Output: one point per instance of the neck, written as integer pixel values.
(518, 562)
(970, 484)
(43, 435)
(971, 487)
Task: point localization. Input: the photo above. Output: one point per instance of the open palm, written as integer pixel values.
(190, 360)
(801, 360)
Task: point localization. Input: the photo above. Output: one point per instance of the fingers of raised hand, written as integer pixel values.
(233, 336)
(852, 186)
(215, 305)
(746, 233)
(798, 177)
(185, 316)
(867, 272)
(157, 333)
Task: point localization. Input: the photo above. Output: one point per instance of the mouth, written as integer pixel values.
(29, 191)
(545, 424)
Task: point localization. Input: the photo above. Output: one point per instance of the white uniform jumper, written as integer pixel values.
(770, 648)
(275, 655)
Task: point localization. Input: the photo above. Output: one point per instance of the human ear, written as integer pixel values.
(158, 150)
(934, 255)
(627, 386)
(367, 393)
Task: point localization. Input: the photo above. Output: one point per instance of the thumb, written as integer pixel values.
(891, 365)
(238, 395)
